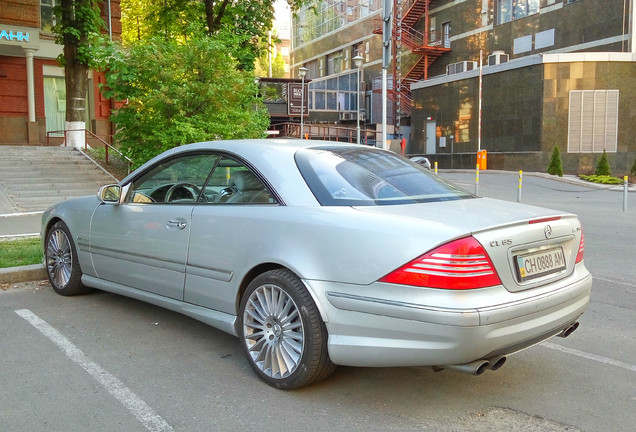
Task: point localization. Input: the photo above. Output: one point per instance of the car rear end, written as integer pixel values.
(471, 300)
(452, 280)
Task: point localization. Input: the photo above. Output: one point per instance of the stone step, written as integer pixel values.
(34, 178)
(47, 186)
(57, 191)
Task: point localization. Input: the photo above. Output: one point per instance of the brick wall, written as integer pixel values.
(20, 13)
(13, 87)
(115, 14)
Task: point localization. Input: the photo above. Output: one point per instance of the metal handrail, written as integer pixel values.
(327, 132)
(89, 135)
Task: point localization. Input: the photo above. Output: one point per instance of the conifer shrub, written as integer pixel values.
(556, 166)
(602, 166)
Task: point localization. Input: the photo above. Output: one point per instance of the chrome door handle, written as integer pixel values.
(181, 224)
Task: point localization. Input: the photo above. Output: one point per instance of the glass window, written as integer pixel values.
(508, 10)
(179, 180)
(232, 182)
(47, 17)
(319, 100)
(367, 177)
(332, 101)
(343, 84)
(200, 178)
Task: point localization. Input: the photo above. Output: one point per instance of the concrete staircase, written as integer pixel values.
(34, 178)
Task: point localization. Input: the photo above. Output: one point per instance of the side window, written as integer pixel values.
(232, 182)
(179, 180)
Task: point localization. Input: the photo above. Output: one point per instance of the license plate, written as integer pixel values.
(536, 264)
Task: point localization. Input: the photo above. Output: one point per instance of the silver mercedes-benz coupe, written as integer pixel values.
(317, 254)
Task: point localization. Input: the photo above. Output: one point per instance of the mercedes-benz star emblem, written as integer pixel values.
(548, 231)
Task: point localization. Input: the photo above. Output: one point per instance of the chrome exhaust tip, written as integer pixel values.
(569, 330)
(476, 367)
(496, 363)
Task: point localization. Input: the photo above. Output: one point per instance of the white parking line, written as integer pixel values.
(589, 356)
(115, 387)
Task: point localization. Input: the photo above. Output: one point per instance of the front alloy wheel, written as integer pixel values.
(62, 266)
(284, 338)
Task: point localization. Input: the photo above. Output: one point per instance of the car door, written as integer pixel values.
(221, 234)
(142, 243)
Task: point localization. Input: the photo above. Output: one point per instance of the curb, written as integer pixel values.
(23, 273)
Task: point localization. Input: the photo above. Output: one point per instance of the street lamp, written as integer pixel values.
(357, 61)
(302, 71)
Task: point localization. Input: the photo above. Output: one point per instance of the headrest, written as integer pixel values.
(245, 180)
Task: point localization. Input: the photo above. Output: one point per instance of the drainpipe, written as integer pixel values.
(110, 23)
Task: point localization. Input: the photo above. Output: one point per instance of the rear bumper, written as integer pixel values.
(393, 325)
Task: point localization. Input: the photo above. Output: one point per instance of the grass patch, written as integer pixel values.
(14, 253)
(602, 179)
(116, 165)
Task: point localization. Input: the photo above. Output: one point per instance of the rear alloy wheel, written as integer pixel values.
(61, 262)
(284, 338)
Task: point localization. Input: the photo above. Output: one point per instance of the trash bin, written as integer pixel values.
(482, 159)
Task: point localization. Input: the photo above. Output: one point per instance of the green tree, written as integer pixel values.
(556, 166)
(278, 66)
(602, 166)
(78, 28)
(245, 22)
(180, 93)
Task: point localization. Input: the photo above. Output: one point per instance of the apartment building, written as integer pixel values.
(553, 73)
(32, 88)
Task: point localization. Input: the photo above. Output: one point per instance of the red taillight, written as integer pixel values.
(579, 255)
(460, 264)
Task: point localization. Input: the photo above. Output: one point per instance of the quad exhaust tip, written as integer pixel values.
(478, 367)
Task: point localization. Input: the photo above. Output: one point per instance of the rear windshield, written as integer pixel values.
(366, 176)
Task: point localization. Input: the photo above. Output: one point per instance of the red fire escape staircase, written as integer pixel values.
(418, 43)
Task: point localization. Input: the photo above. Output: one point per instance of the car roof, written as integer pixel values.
(248, 145)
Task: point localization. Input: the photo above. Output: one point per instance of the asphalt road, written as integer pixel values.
(102, 362)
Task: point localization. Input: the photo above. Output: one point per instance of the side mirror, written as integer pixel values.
(109, 194)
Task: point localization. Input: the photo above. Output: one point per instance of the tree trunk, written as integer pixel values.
(76, 73)
(76, 91)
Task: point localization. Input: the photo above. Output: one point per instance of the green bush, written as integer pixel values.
(633, 170)
(602, 166)
(179, 93)
(602, 179)
(556, 166)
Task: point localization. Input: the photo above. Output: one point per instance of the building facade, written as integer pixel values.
(32, 87)
(554, 73)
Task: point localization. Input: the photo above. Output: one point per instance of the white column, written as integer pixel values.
(30, 83)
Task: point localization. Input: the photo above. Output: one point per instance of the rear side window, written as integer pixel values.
(366, 176)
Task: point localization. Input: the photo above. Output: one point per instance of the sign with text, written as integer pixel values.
(295, 99)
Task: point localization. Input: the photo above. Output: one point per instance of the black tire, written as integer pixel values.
(60, 259)
(282, 333)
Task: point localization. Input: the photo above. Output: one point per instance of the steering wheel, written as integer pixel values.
(183, 191)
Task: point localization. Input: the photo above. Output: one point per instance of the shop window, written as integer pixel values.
(593, 121)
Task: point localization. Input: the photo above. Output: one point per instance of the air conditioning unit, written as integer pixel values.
(459, 67)
(346, 116)
(465, 66)
(497, 57)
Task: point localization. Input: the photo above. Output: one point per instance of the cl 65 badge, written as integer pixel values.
(504, 242)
